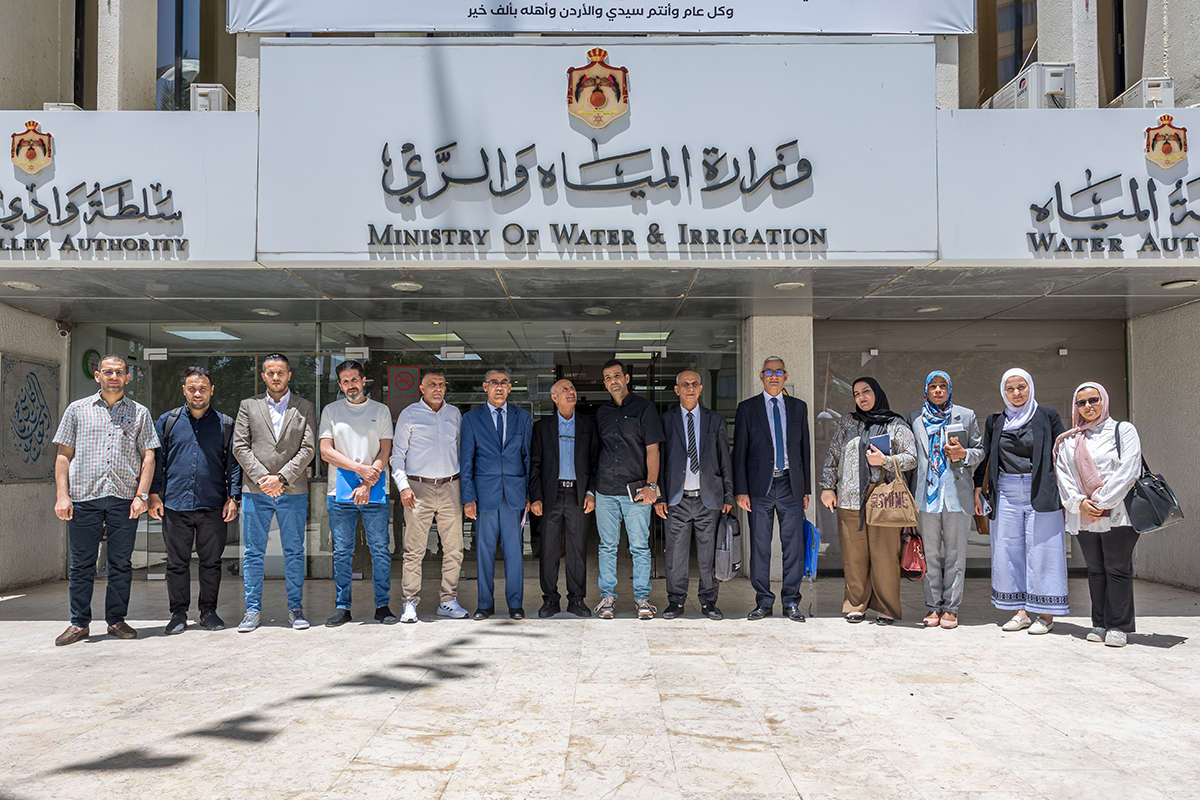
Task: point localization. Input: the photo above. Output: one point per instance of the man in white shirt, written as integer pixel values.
(425, 467)
(356, 440)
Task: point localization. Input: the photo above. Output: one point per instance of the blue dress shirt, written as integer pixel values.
(198, 475)
(566, 447)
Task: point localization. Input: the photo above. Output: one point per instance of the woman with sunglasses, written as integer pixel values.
(1095, 472)
(853, 467)
(948, 449)
(1029, 562)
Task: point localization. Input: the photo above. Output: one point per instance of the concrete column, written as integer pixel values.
(789, 338)
(249, 46)
(1067, 32)
(36, 53)
(1162, 345)
(946, 50)
(126, 55)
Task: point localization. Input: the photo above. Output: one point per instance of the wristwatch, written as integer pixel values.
(283, 480)
(653, 486)
(145, 498)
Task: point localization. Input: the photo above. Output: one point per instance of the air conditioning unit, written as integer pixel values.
(210, 97)
(1041, 85)
(1147, 93)
(60, 107)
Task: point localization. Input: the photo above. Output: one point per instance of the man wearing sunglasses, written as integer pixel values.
(494, 470)
(771, 469)
(102, 474)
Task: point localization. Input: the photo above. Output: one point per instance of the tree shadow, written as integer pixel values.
(136, 758)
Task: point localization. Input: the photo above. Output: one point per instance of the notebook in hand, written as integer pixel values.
(883, 443)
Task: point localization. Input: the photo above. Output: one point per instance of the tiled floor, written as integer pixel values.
(589, 709)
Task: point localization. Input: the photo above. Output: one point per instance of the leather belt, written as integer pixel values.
(779, 473)
(691, 492)
(433, 481)
(566, 484)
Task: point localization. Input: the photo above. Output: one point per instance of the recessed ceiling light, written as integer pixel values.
(784, 286)
(927, 309)
(22, 286)
(433, 337)
(652, 336)
(437, 323)
(407, 286)
(201, 333)
(266, 312)
(1186, 283)
(597, 311)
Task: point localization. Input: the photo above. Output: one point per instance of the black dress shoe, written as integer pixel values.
(711, 611)
(516, 613)
(793, 613)
(759, 612)
(340, 617)
(211, 622)
(578, 608)
(384, 615)
(673, 610)
(548, 609)
(178, 624)
(484, 613)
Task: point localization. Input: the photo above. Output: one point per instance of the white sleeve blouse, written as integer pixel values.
(1118, 474)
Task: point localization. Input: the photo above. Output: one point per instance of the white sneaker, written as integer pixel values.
(452, 609)
(1040, 626)
(249, 622)
(297, 619)
(1115, 638)
(1096, 635)
(410, 612)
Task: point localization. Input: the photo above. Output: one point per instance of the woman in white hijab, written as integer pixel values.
(1029, 563)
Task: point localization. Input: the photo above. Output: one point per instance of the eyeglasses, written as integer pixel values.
(1087, 401)
(771, 373)
(498, 384)
(113, 373)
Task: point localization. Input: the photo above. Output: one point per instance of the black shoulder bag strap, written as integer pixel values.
(172, 418)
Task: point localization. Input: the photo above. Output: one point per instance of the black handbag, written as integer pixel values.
(729, 548)
(1150, 504)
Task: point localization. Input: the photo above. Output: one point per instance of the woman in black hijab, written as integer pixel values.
(853, 466)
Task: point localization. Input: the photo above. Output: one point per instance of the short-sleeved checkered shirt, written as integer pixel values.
(108, 444)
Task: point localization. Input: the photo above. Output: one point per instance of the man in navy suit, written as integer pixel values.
(698, 487)
(494, 471)
(771, 476)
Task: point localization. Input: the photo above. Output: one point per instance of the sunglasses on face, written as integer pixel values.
(1090, 401)
(771, 373)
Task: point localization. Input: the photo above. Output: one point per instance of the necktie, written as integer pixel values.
(499, 418)
(693, 455)
(778, 433)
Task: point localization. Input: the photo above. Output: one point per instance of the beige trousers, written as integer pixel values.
(871, 561)
(443, 504)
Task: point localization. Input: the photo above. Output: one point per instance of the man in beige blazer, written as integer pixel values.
(274, 439)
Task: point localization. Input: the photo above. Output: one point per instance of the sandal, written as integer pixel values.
(852, 617)
(949, 620)
(932, 619)
(884, 620)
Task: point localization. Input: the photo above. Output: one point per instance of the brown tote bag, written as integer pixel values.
(891, 505)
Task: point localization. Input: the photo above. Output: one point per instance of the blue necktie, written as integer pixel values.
(499, 415)
(778, 433)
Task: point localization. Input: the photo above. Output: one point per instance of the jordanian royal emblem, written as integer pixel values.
(1166, 145)
(598, 93)
(32, 150)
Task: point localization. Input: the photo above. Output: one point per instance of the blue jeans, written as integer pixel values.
(343, 524)
(502, 526)
(610, 510)
(292, 512)
(89, 519)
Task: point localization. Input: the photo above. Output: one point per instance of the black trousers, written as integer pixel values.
(780, 501)
(1109, 557)
(687, 521)
(564, 523)
(206, 532)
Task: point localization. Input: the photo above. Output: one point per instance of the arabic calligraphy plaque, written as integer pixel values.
(29, 396)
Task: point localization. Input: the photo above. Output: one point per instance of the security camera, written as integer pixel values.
(64, 329)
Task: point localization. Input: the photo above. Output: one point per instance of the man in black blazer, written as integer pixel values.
(566, 446)
(771, 477)
(698, 487)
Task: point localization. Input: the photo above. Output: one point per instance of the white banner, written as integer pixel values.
(609, 16)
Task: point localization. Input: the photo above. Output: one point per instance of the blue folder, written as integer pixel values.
(348, 480)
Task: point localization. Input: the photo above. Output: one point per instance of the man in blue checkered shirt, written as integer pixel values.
(105, 463)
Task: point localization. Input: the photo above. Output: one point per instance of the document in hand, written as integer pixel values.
(883, 443)
(348, 480)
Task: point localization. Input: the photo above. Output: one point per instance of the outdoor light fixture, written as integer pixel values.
(265, 312)
(927, 309)
(407, 286)
(784, 286)
(33, 287)
(1186, 283)
(597, 311)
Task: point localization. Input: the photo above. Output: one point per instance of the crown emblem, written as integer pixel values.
(32, 150)
(597, 93)
(1166, 144)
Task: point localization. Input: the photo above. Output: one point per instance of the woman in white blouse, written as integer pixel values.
(1095, 472)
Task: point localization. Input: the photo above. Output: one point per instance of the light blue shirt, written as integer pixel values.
(782, 418)
(566, 447)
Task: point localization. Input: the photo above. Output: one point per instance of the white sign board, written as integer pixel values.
(128, 186)
(1067, 186)
(608, 16)
(729, 150)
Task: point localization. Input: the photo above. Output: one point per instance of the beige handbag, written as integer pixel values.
(891, 505)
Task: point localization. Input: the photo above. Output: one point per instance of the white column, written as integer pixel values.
(946, 49)
(126, 55)
(789, 338)
(1067, 32)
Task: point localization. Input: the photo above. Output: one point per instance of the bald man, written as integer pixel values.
(566, 446)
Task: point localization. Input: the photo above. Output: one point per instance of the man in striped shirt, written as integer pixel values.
(102, 473)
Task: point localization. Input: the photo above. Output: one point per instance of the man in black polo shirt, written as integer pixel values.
(626, 488)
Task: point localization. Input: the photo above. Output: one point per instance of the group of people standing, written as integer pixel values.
(197, 469)
(1032, 479)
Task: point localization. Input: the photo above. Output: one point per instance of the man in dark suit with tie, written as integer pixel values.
(565, 448)
(771, 476)
(494, 471)
(697, 488)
